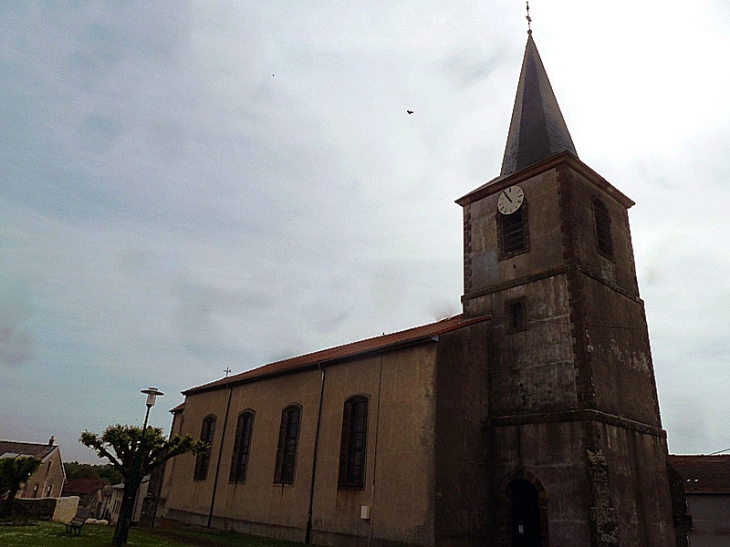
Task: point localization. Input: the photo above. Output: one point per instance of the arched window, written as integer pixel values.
(239, 461)
(354, 441)
(604, 242)
(286, 453)
(206, 435)
(512, 232)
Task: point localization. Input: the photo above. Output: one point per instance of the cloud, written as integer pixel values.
(16, 344)
(194, 186)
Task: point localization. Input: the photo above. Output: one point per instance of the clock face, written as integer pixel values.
(510, 200)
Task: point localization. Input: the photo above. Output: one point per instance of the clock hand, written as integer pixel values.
(505, 195)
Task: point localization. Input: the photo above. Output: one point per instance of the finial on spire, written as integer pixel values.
(529, 19)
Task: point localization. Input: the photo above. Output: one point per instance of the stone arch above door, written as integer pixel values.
(523, 483)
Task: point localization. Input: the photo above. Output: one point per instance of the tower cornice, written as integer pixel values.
(564, 158)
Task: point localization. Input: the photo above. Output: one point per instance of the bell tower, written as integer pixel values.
(574, 437)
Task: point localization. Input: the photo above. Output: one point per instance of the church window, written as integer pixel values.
(602, 219)
(286, 453)
(242, 444)
(516, 313)
(354, 440)
(512, 230)
(202, 461)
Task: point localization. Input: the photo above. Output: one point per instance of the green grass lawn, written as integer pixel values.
(53, 534)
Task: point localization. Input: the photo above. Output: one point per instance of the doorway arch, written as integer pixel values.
(523, 512)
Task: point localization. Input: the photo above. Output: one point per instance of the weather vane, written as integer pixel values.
(227, 370)
(529, 19)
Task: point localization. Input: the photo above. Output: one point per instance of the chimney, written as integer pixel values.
(50, 441)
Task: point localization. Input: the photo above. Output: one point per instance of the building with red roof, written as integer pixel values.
(89, 492)
(531, 419)
(706, 481)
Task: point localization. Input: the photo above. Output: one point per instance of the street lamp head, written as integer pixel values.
(152, 393)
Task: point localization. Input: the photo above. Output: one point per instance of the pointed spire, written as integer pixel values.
(537, 130)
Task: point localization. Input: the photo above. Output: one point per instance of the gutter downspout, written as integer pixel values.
(308, 534)
(220, 455)
(375, 453)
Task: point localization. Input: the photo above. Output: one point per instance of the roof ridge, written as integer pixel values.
(394, 333)
(343, 351)
(24, 442)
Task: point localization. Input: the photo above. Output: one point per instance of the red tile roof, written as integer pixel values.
(81, 487)
(703, 474)
(178, 408)
(386, 342)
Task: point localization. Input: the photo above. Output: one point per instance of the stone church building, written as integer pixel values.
(531, 419)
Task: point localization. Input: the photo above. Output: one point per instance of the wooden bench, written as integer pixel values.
(81, 516)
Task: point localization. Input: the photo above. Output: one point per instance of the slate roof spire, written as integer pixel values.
(537, 130)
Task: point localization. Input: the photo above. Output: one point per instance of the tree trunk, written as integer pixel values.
(121, 532)
(6, 508)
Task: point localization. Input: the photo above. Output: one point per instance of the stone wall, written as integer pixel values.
(57, 509)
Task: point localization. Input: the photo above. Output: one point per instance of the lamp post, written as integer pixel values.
(152, 393)
(130, 488)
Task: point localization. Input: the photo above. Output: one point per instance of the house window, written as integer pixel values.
(239, 462)
(286, 453)
(203, 459)
(604, 242)
(354, 440)
(516, 315)
(512, 231)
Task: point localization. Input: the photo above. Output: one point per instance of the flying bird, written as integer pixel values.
(409, 112)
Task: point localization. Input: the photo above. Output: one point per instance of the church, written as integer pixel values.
(531, 419)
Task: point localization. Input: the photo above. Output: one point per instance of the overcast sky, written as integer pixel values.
(191, 186)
